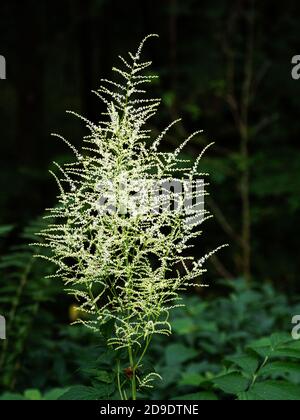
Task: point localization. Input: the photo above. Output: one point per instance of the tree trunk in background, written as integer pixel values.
(245, 198)
(244, 133)
(239, 101)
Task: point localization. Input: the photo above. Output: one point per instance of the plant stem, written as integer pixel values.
(143, 353)
(256, 374)
(119, 383)
(133, 379)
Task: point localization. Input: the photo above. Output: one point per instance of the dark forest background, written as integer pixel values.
(224, 66)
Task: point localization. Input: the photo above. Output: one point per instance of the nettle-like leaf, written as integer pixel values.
(265, 371)
(127, 214)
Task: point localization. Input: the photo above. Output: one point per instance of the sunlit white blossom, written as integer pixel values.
(129, 267)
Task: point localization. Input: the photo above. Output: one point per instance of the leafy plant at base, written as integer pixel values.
(34, 395)
(125, 262)
(209, 331)
(266, 371)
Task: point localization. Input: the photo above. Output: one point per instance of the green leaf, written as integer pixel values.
(273, 346)
(276, 391)
(286, 352)
(178, 353)
(54, 394)
(262, 347)
(104, 376)
(33, 394)
(248, 396)
(249, 363)
(79, 392)
(231, 383)
(9, 396)
(104, 390)
(198, 396)
(279, 339)
(291, 349)
(275, 368)
(191, 379)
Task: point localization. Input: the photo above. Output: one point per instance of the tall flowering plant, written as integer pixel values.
(126, 216)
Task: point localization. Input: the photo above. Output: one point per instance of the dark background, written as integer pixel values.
(224, 66)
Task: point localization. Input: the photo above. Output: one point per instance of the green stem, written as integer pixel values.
(144, 352)
(256, 374)
(133, 379)
(119, 382)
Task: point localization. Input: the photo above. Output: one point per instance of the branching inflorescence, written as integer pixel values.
(126, 215)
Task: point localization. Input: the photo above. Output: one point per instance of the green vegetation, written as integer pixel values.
(231, 346)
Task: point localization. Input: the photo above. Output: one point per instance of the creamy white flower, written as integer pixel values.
(129, 267)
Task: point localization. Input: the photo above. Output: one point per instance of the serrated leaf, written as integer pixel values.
(54, 394)
(279, 339)
(272, 346)
(248, 363)
(281, 368)
(79, 392)
(231, 383)
(276, 391)
(287, 352)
